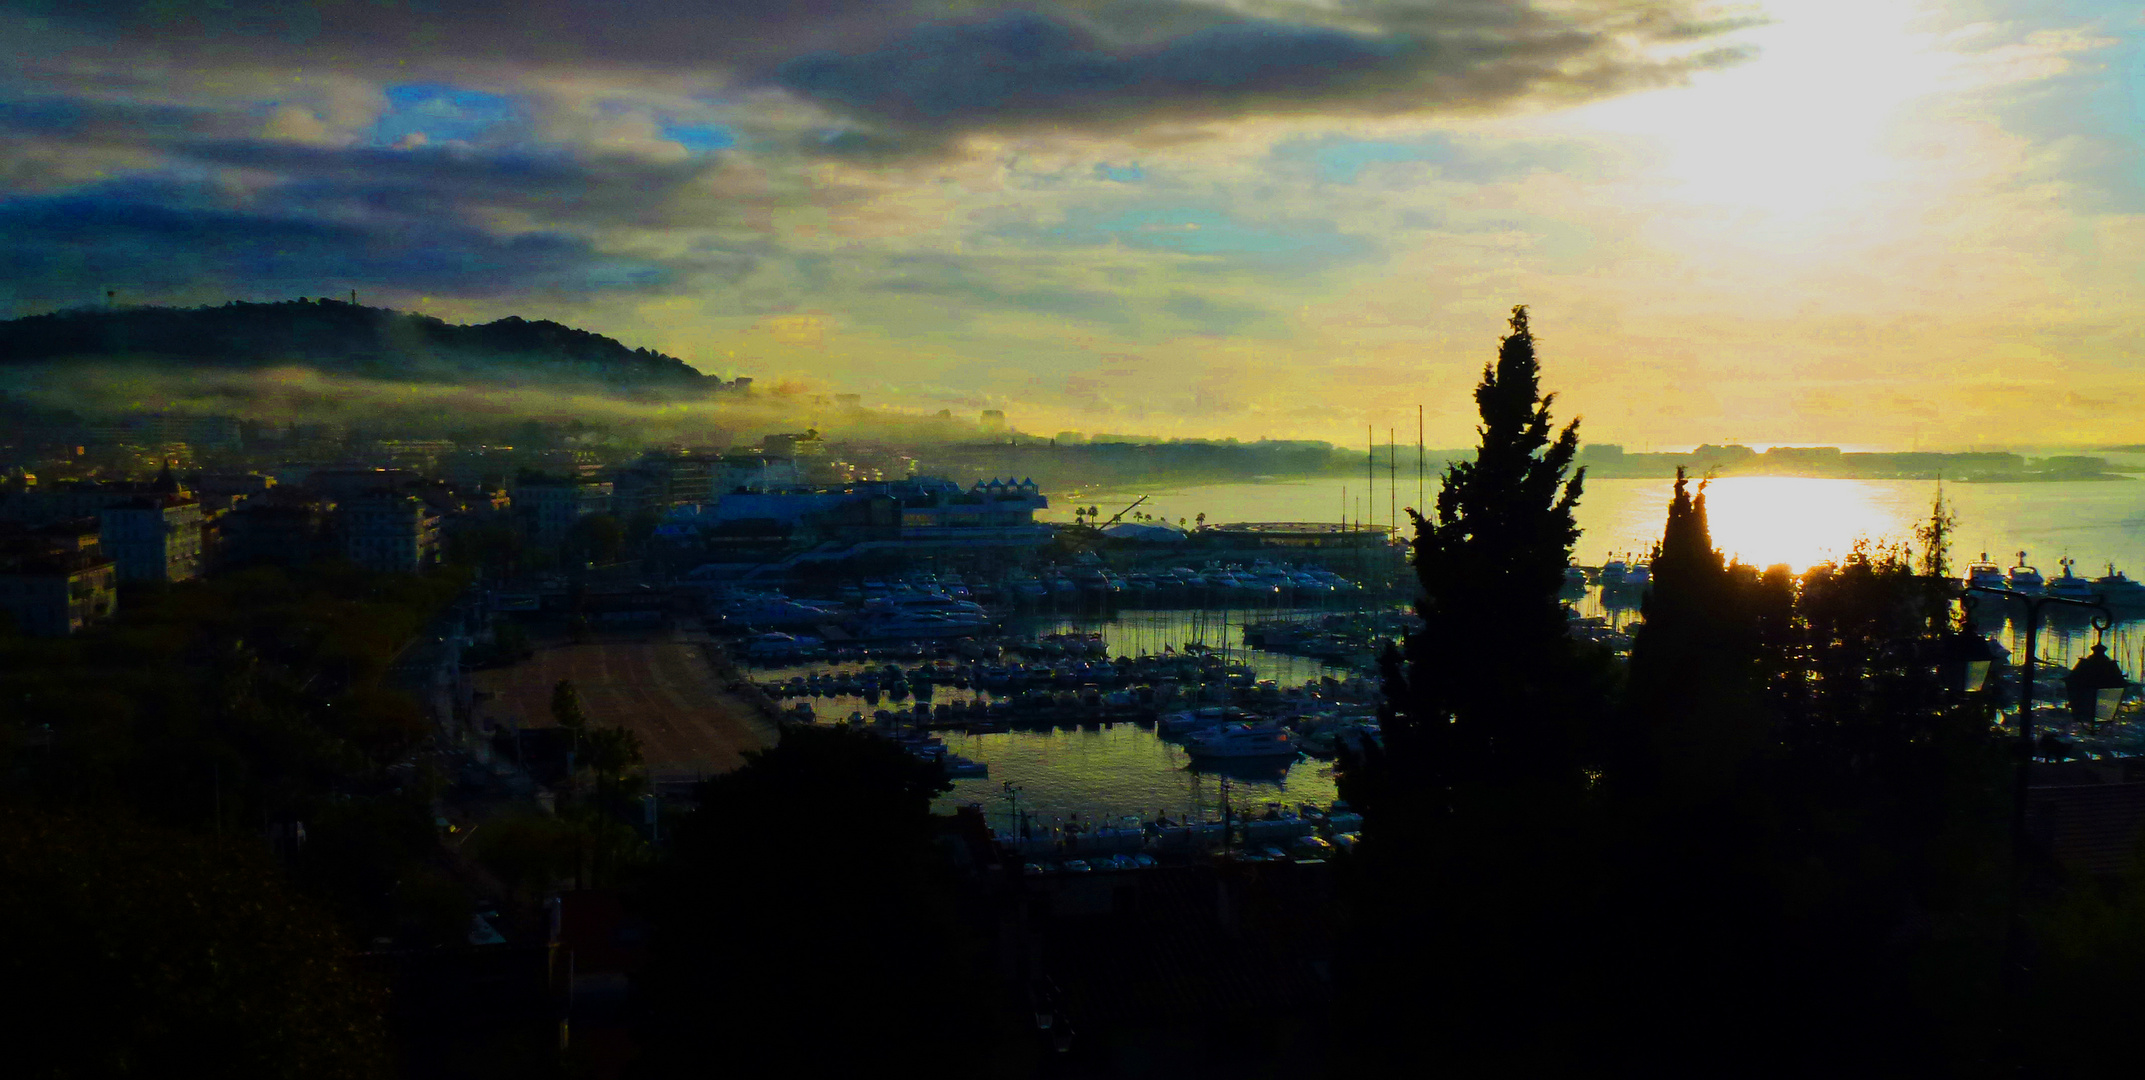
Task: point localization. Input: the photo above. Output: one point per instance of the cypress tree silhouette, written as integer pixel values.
(1692, 708)
(1478, 830)
(1481, 693)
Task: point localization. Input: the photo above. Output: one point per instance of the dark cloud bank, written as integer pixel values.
(198, 196)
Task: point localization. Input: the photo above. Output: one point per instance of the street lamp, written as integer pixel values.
(2096, 686)
(1965, 661)
(2087, 684)
(2102, 619)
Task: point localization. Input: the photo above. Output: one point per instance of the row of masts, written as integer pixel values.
(1369, 506)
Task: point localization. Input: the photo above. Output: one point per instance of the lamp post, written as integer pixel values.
(2091, 682)
(2102, 619)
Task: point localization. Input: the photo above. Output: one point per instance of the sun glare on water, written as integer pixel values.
(1764, 520)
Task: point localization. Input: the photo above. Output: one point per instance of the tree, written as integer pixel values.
(1691, 706)
(566, 706)
(1491, 567)
(1934, 536)
(142, 948)
(850, 893)
(1477, 823)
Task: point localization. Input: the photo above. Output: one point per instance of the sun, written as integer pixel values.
(1801, 130)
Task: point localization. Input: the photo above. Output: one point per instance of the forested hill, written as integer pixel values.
(345, 339)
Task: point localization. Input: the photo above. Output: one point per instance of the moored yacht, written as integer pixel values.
(2070, 586)
(2116, 590)
(2023, 577)
(1983, 574)
(1242, 741)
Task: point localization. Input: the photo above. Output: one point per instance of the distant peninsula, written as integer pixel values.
(1609, 461)
(346, 339)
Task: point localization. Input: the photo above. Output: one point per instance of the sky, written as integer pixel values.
(1871, 223)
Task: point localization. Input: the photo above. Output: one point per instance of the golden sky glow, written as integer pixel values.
(1879, 223)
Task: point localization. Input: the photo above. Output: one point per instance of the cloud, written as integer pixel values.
(919, 77)
(156, 235)
(1037, 70)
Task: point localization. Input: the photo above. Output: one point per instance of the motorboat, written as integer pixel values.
(2069, 586)
(959, 767)
(917, 624)
(2116, 590)
(1242, 741)
(927, 603)
(2024, 578)
(772, 612)
(1983, 574)
(774, 647)
(1612, 572)
(1638, 575)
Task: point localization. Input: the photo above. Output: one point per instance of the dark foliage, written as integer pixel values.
(808, 910)
(1484, 779)
(341, 338)
(139, 951)
(1784, 843)
(1486, 693)
(242, 705)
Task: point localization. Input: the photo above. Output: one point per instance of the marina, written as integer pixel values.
(1152, 683)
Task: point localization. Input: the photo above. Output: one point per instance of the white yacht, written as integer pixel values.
(1983, 574)
(2024, 578)
(919, 624)
(1240, 741)
(926, 603)
(2068, 585)
(772, 611)
(2116, 590)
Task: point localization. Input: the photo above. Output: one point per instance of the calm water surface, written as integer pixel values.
(1121, 768)
(1761, 519)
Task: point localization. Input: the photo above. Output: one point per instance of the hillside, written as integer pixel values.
(346, 339)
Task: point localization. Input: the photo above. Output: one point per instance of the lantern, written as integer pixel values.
(1965, 661)
(2096, 687)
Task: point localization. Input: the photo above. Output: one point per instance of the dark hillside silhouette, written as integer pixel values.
(345, 339)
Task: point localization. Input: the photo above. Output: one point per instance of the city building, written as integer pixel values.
(154, 537)
(388, 531)
(920, 516)
(663, 481)
(55, 580)
(548, 506)
(151, 532)
(275, 529)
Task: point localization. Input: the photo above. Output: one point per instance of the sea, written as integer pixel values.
(1111, 770)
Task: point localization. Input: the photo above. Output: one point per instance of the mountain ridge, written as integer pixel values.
(347, 339)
